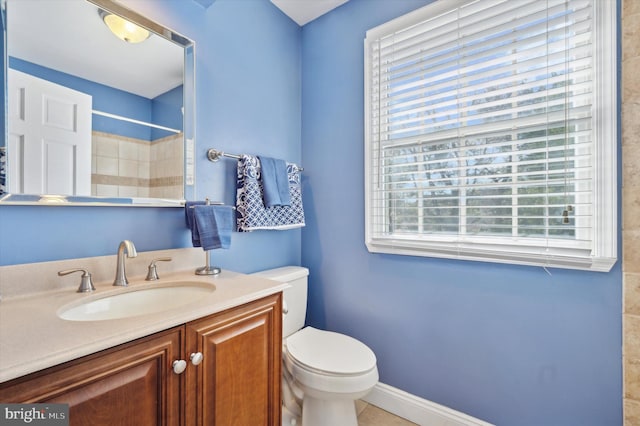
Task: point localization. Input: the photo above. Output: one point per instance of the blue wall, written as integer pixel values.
(248, 100)
(508, 344)
(166, 110)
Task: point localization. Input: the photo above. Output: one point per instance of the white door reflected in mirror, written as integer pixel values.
(49, 137)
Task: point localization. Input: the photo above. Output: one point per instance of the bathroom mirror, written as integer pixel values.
(91, 118)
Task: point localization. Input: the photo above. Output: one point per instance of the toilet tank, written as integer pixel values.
(294, 306)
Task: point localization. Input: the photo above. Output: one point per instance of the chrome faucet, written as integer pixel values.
(121, 276)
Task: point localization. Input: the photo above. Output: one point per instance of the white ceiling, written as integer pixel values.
(304, 11)
(77, 42)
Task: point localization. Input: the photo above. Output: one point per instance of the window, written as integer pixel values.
(490, 133)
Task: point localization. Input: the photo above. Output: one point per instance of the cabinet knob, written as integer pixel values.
(196, 358)
(179, 366)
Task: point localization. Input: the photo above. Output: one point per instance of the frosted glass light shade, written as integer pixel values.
(123, 29)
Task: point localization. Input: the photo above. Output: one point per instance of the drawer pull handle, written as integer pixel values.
(196, 358)
(179, 366)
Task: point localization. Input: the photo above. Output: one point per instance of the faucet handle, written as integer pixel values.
(86, 284)
(152, 275)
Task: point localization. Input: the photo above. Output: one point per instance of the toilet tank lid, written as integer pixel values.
(284, 274)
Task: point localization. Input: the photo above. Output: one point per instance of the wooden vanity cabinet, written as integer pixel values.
(237, 382)
(126, 385)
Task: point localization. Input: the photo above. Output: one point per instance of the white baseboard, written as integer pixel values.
(418, 410)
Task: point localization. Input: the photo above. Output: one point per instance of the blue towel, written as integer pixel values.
(191, 223)
(275, 182)
(214, 225)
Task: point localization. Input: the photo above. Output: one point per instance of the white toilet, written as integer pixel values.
(323, 372)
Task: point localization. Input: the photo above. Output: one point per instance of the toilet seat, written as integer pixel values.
(327, 352)
(325, 364)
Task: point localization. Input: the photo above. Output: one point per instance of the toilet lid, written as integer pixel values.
(330, 352)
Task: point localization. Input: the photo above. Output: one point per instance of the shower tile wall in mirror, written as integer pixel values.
(129, 167)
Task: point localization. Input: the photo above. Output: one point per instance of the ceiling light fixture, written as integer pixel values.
(123, 29)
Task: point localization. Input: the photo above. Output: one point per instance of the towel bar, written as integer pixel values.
(214, 155)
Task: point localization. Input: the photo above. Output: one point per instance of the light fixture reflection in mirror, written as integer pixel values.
(123, 29)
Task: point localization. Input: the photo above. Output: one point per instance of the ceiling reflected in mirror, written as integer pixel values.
(69, 36)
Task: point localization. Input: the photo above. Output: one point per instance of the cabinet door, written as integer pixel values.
(238, 381)
(132, 384)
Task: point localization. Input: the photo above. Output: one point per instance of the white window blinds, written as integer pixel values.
(488, 135)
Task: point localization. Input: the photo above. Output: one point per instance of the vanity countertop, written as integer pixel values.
(33, 337)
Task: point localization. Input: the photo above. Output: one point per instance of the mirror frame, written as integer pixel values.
(188, 121)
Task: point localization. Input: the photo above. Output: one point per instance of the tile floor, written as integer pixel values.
(370, 415)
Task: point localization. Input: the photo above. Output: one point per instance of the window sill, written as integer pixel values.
(518, 255)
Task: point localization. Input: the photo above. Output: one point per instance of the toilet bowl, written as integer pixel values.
(324, 372)
(332, 371)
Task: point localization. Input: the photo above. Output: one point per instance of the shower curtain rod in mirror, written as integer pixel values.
(131, 120)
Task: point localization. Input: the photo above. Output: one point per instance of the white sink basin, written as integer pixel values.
(137, 302)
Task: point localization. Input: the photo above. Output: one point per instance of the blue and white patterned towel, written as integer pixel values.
(251, 213)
